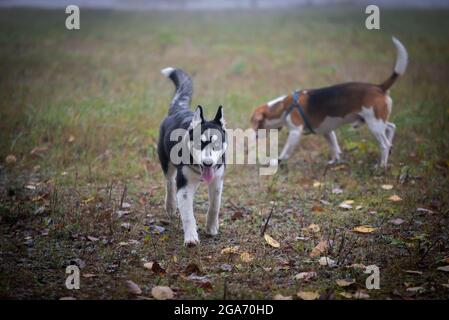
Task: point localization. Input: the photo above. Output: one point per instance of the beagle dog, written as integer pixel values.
(325, 109)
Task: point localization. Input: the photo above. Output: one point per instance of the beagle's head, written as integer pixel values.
(270, 115)
(258, 118)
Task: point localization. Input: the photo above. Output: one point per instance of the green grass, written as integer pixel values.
(94, 99)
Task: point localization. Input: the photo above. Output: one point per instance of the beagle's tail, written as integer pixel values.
(400, 66)
(184, 88)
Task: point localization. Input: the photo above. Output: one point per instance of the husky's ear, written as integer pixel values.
(219, 118)
(197, 117)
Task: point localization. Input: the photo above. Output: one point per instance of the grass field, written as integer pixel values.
(79, 118)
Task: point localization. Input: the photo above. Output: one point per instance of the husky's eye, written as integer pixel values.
(216, 145)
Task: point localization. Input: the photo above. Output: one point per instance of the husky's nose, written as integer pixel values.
(208, 162)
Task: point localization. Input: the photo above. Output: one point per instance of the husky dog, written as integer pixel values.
(191, 149)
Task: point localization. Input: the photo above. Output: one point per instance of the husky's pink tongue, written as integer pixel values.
(207, 174)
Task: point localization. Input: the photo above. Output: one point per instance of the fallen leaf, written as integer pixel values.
(71, 138)
(305, 275)
(89, 275)
(230, 250)
(121, 213)
(360, 294)
(10, 159)
(397, 221)
(346, 295)
(271, 241)
(126, 225)
(345, 282)
(162, 293)
(126, 205)
(413, 272)
(326, 261)
(357, 266)
(317, 208)
(133, 288)
(317, 184)
(30, 187)
(387, 186)
(155, 267)
(246, 257)
(92, 238)
(395, 198)
(225, 267)
(308, 295)
(319, 249)
(39, 150)
(347, 204)
(313, 228)
(337, 191)
(445, 268)
(364, 229)
(416, 289)
(424, 210)
(281, 297)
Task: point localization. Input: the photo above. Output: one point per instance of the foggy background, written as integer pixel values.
(214, 4)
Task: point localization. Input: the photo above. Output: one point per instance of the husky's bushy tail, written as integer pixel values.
(400, 66)
(184, 88)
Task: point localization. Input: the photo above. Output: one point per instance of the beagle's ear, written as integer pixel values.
(197, 117)
(258, 116)
(219, 117)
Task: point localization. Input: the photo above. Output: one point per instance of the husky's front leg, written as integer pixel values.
(186, 192)
(215, 189)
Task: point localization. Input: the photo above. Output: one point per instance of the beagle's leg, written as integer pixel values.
(170, 190)
(187, 183)
(335, 150)
(215, 189)
(390, 130)
(293, 138)
(378, 129)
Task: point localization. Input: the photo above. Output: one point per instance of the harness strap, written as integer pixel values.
(296, 105)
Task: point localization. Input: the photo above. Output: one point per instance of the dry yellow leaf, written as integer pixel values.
(308, 295)
(364, 229)
(281, 297)
(387, 186)
(445, 268)
(345, 294)
(395, 198)
(317, 184)
(313, 228)
(246, 257)
(319, 249)
(271, 241)
(230, 250)
(345, 282)
(162, 293)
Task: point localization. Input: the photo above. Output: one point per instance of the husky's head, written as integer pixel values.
(207, 143)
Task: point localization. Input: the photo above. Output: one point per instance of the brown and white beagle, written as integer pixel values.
(325, 109)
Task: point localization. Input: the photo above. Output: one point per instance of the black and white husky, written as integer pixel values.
(191, 150)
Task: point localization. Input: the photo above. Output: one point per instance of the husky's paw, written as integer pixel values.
(212, 230)
(191, 239)
(335, 161)
(274, 162)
